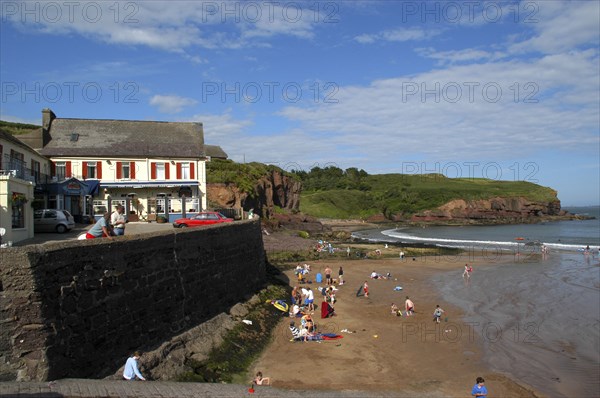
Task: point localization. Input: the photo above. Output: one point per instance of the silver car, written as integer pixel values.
(52, 220)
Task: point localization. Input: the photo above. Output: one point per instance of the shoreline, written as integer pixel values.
(410, 355)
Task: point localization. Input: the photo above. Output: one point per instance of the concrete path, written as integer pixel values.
(84, 388)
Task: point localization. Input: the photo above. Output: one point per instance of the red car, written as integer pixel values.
(200, 219)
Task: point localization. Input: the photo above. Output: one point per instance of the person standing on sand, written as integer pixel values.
(409, 306)
(327, 273)
(479, 389)
(341, 276)
(401, 255)
(348, 251)
(467, 271)
(437, 314)
(366, 289)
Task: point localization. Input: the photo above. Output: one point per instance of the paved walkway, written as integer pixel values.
(85, 388)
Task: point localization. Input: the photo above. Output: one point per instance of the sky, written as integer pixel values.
(501, 90)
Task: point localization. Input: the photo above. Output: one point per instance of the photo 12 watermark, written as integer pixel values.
(57, 12)
(454, 12)
(471, 92)
(270, 11)
(516, 171)
(270, 92)
(70, 92)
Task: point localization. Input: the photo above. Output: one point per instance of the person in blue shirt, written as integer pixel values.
(131, 371)
(479, 389)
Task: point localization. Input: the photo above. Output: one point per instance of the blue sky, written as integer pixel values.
(504, 90)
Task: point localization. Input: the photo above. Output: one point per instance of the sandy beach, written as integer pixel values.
(410, 356)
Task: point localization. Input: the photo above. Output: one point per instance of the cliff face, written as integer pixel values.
(495, 210)
(273, 189)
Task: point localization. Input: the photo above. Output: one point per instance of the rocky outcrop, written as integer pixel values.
(489, 211)
(270, 191)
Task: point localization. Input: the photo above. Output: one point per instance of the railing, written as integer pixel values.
(16, 168)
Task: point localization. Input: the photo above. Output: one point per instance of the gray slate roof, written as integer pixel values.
(11, 138)
(215, 151)
(125, 138)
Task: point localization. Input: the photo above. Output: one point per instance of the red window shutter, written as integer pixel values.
(68, 172)
(153, 171)
(119, 170)
(99, 170)
(167, 171)
(179, 171)
(192, 164)
(132, 170)
(53, 169)
(83, 169)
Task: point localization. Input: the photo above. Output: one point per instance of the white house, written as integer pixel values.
(22, 172)
(150, 167)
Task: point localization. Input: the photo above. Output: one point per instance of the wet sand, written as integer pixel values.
(410, 356)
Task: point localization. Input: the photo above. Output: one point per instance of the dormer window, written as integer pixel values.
(74, 137)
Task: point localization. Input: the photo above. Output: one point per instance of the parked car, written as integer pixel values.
(200, 219)
(52, 220)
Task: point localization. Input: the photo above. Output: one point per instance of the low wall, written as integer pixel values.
(77, 308)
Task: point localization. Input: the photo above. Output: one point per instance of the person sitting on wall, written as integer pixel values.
(131, 371)
(101, 229)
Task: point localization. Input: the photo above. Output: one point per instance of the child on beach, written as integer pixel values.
(395, 310)
(467, 271)
(259, 380)
(366, 289)
(479, 389)
(409, 306)
(437, 314)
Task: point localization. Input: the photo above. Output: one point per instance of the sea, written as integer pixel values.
(535, 305)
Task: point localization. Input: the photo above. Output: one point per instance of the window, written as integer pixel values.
(35, 170)
(61, 170)
(90, 170)
(160, 171)
(185, 171)
(17, 160)
(18, 210)
(55, 201)
(125, 168)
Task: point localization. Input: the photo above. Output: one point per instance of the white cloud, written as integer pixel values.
(397, 35)
(171, 26)
(458, 56)
(223, 128)
(562, 26)
(171, 103)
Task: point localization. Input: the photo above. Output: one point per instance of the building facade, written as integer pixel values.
(23, 173)
(151, 168)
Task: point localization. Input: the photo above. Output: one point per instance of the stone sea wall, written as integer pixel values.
(77, 309)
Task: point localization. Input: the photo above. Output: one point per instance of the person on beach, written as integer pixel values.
(341, 276)
(348, 251)
(327, 273)
(479, 389)
(259, 380)
(310, 299)
(395, 310)
(467, 271)
(366, 289)
(409, 306)
(131, 371)
(437, 314)
(401, 255)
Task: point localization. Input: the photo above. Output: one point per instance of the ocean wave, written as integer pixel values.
(467, 243)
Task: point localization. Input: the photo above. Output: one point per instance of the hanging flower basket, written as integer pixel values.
(18, 199)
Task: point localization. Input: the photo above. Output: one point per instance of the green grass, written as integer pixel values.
(17, 128)
(409, 194)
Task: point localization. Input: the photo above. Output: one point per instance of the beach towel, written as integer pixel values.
(326, 310)
(319, 278)
(331, 336)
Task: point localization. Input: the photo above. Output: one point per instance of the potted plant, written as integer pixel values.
(161, 219)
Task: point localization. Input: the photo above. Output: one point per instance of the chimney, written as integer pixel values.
(47, 117)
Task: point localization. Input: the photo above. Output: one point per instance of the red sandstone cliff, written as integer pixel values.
(272, 189)
(489, 211)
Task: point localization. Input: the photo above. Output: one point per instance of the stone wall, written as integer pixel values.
(78, 308)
